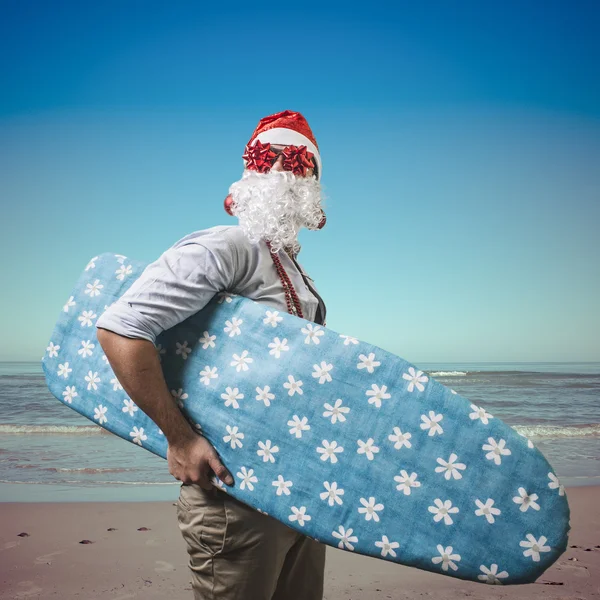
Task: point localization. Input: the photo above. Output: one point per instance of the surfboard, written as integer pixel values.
(337, 438)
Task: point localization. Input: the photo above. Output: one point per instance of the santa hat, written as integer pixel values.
(287, 128)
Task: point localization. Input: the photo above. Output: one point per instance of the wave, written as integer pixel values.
(530, 431)
(88, 483)
(90, 470)
(52, 429)
(448, 373)
(84, 470)
(555, 431)
(545, 374)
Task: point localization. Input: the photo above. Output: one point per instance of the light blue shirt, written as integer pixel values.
(186, 277)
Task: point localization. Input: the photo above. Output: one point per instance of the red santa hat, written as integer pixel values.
(287, 128)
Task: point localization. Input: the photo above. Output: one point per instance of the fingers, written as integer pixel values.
(220, 471)
(195, 464)
(204, 483)
(198, 478)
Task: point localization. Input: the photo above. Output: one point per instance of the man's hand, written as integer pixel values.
(135, 362)
(193, 460)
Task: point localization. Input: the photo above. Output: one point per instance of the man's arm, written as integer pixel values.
(180, 283)
(137, 367)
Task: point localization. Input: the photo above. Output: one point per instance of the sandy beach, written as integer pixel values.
(136, 551)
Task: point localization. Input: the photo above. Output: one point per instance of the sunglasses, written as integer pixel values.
(261, 157)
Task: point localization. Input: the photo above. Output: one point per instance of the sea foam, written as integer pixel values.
(554, 431)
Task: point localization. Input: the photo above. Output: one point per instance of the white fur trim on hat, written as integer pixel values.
(289, 137)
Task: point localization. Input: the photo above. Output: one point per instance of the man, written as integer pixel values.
(235, 552)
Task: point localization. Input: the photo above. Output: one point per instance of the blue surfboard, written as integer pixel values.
(339, 439)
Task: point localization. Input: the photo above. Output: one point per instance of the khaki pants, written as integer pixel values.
(237, 553)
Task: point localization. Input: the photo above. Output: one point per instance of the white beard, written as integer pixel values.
(274, 206)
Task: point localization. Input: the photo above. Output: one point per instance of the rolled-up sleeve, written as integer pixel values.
(174, 287)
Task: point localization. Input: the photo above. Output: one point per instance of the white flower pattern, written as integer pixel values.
(180, 396)
(267, 451)
(368, 362)
(52, 350)
(431, 423)
(337, 412)
(299, 515)
(241, 361)
(129, 407)
(370, 508)
(232, 328)
(272, 318)
(450, 468)
(346, 538)
(231, 397)
(248, 478)
(293, 386)
(208, 374)
(526, 500)
(479, 413)
(534, 548)
(442, 510)
(405, 395)
(322, 372)
(312, 333)
(138, 435)
(64, 370)
(406, 482)
(100, 414)
(376, 394)
(69, 393)
(69, 303)
(368, 448)
(123, 271)
(496, 450)
(400, 439)
(207, 340)
(117, 387)
(91, 264)
(234, 437)
(332, 493)
(555, 484)
(92, 380)
(298, 425)
(448, 558)
(278, 346)
(282, 486)
(182, 349)
(93, 289)
(487, 510)
(86, 349)
(491, 575)
(415, 379)
(264, 395)
(329, 451)
(387, 547)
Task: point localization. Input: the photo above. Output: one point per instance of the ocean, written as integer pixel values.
(49, 453)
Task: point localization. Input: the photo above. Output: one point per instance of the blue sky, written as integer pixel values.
(460, 146)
